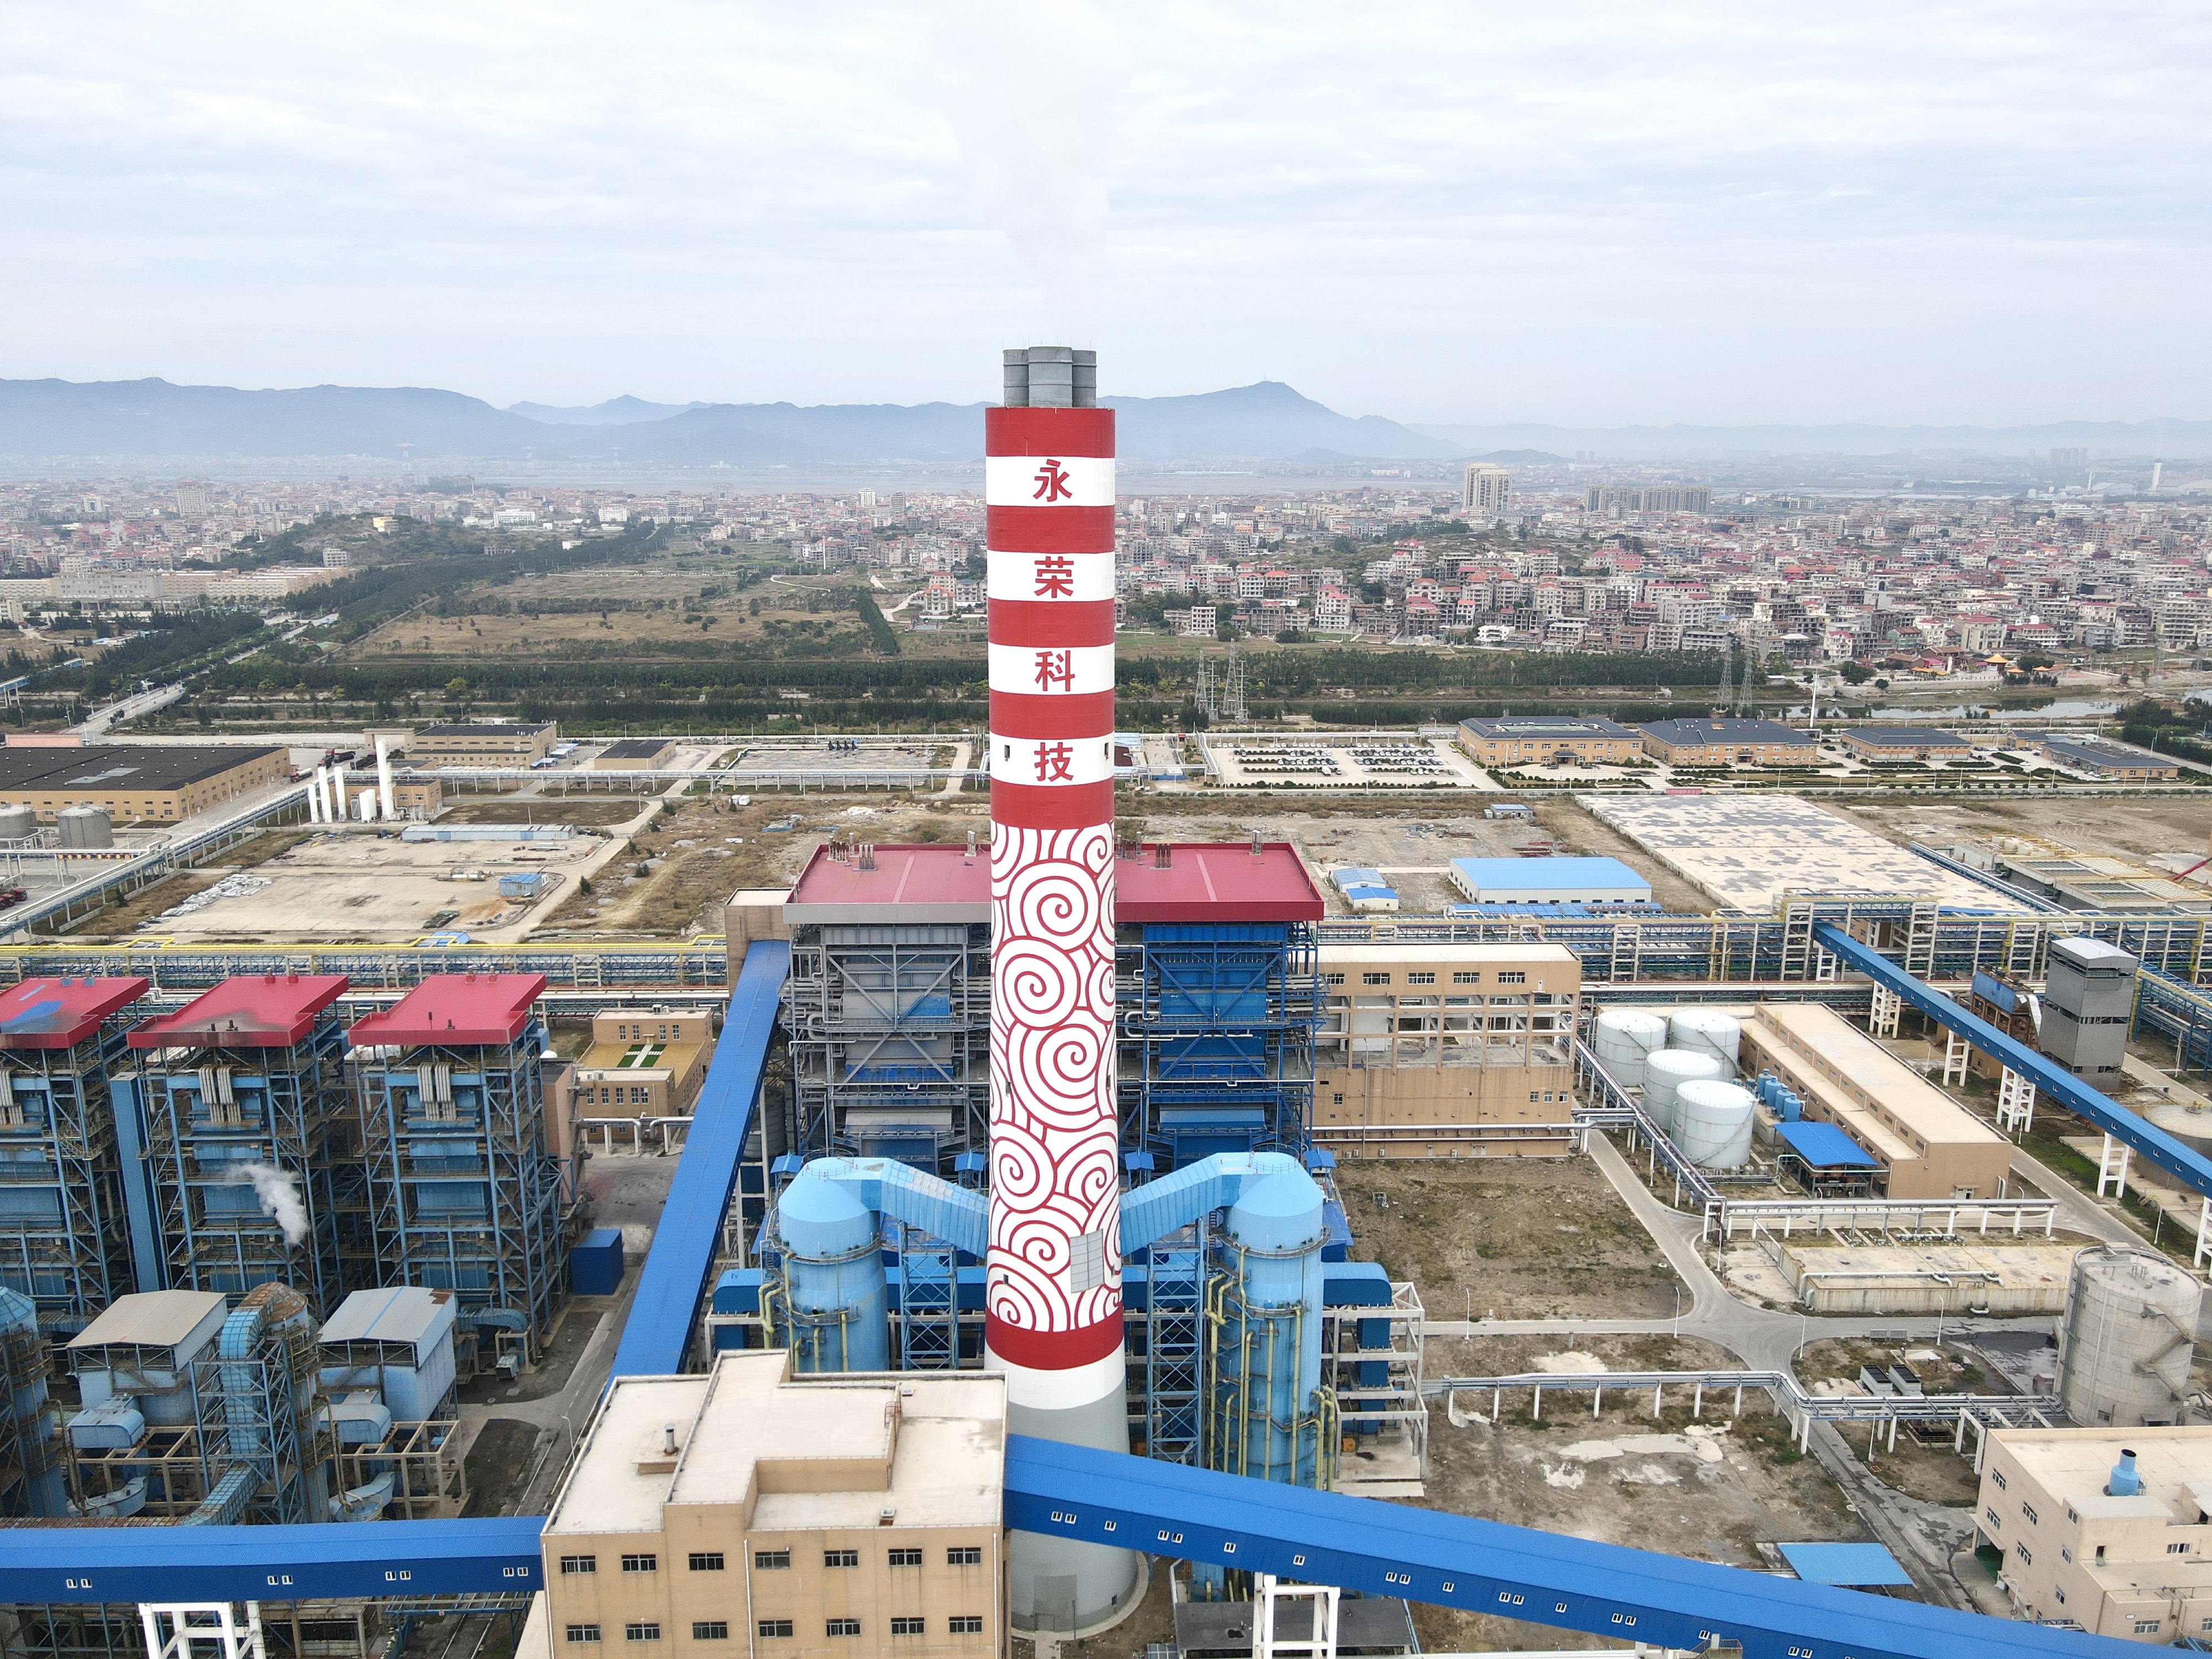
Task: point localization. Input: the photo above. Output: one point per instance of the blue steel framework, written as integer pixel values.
(64, 1232)
(209, 1113)
(463, 1194)
(1163, 1508)
(889, 1018)
(1216, 1017)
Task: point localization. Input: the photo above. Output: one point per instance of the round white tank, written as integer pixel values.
(18, 823)
(1705, 1031)
(1712, 1123)
(1624, 1039)
(2189, 1125)
(2128, 1337)
(85, 827)
(1668, 1071)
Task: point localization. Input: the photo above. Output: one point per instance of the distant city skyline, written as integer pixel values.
(1446, 216)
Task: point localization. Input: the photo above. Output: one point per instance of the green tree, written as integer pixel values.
(456, 687)
(1856, 674)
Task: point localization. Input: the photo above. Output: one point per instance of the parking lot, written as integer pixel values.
(1396, 760)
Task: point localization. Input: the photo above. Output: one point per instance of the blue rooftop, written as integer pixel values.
(1824, 1146)
(1852, 1566)
(1486, 876)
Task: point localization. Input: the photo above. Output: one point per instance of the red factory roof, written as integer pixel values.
(466, 1010)
(1216, 881)
(254, 1011)
(59, 1013)
(939, 876)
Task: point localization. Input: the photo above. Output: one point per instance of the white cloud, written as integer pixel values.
(1584, 212)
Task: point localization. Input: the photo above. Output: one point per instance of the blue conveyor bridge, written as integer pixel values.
(1164, 1508)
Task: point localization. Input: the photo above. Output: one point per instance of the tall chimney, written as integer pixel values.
(1052, 1323)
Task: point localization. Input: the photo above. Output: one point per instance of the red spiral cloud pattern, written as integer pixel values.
(1054, 1145)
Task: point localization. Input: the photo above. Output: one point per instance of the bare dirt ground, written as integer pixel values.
(2119, 826)
(697, 854)
(1513, 1238)
(1391, 834)
(1711, 1488)
(596, 812)
(1930, 1471)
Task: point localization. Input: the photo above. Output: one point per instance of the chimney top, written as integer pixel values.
(1050, 376)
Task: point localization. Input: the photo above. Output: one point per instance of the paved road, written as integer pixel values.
(1923, 1537)
(627, 1193)
(94, 726)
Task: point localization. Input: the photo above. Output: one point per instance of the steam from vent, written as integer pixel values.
(1033, 88)
(279, 1192)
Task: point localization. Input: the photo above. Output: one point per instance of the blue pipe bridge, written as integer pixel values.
(1071, 1491)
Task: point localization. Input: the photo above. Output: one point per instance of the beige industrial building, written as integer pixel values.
(1931, 1146)
(2137, 1565)
(746, 1512)
(421, 798)
(1725, 742)
(484, 743)
(634, 754)
(1446, 1050)
(644, 1064)
(153, 782)
(1516, 740)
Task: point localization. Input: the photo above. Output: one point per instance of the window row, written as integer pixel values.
(963, 1555)
(969, 1555)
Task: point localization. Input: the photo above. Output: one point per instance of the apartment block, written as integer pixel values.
(748, 1512)
(1446, 1050)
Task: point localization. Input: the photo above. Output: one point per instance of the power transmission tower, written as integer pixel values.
(1203, 696)
(1727, 677)
(1232, 699)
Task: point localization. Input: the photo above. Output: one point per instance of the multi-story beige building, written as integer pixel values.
(1932, 1146)
(644, 1064)
(2137, 1565)
(1446, 1050)
(484, 743)
(746, 1512)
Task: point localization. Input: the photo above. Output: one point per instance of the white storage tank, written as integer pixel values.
(2128, 1337)
(2189, 1125)
(1668, 1071)
(1707, 1031)
(86, 827)
(1624, 1039)
(18, 823)
(1712, 1123)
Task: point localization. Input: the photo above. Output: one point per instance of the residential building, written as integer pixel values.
(1486, 490)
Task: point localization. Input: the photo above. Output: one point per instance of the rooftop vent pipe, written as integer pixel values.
(2126, 1481)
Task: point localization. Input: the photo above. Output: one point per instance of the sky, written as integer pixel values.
(1588, 214)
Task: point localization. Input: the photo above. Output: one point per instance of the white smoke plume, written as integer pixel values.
(1032, 90)
(279, 1192)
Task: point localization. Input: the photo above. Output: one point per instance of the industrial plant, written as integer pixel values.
(1014, 1269)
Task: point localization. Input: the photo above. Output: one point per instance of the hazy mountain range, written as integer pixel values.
(138, 423)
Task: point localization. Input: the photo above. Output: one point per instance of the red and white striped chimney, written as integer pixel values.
(1054, 1314)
